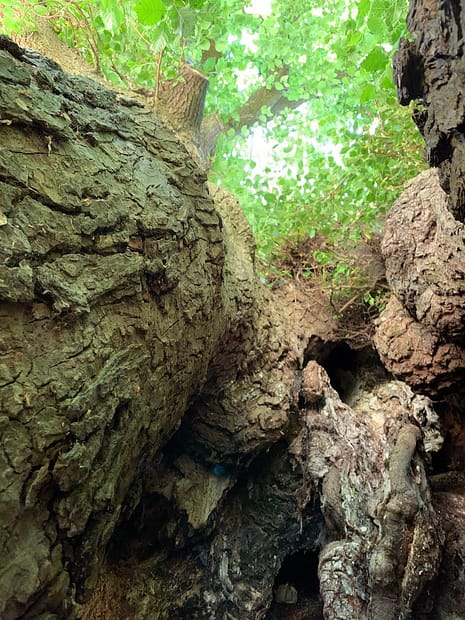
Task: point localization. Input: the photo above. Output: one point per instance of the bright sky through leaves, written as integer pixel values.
(260, 7)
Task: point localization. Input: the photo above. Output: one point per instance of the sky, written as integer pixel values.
(261, 149)
(260, 7)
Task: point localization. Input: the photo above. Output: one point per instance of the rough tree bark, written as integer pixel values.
(177, 441)
(420, 336)
(429, 70)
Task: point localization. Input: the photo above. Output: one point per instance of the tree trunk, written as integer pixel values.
(429, 69)
(178, 441)
(420, 335)
(181, 102)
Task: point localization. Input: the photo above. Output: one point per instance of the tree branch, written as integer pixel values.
(249, 114)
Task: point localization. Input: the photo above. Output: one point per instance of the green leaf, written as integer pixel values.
(41, 10)
(377, 25)
(161, 43)
(188, 20)
(150, 12)
(354, 38)
(221, 46)
(375, 60)
(364, 7)
(209, 64)
(367, 93)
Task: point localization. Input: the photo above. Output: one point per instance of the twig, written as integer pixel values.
(346, 305)
(182, 59)
(90, 34)
(158, 79)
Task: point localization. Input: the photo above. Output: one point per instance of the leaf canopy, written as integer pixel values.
(314, 140)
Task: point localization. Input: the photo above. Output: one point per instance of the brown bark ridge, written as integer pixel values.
(422, 247)
(420, 335)
(429, 69)
(178, 441)
(419, 338)
(111, 249)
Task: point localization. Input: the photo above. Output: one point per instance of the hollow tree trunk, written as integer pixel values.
(173, 444)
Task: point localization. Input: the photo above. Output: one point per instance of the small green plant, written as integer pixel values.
(376, 300)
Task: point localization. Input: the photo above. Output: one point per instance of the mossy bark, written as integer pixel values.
(112, 256)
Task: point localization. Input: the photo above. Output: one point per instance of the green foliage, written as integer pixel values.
(378, 300)
(339, 187)
(124, 39)
(150, 12)
(15, 18)
(330, 166)
(338, 162)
